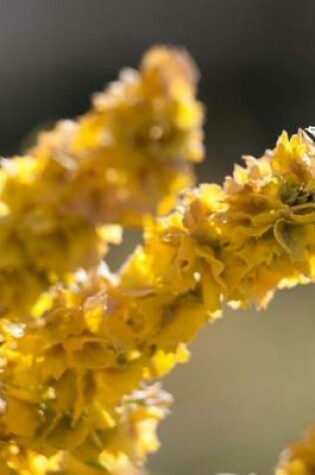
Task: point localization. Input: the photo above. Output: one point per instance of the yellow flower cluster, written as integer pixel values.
(66, 375)
(125, 159)
(233, 244)
(70, 379)
(127, 443)
(75, 394)
(299, 457)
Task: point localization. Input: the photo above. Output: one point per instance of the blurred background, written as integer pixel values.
(250, 386)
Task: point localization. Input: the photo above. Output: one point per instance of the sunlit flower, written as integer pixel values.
(64, 202)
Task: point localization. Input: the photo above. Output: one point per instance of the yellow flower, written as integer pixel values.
(73, 355)
(122, 161)
(299, 457)
(123, 446)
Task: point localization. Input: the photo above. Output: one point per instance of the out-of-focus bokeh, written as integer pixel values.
(250, 386)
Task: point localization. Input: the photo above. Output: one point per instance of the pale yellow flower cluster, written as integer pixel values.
(69, 376)
(125, 159)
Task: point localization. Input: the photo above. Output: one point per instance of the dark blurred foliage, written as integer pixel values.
(249, 389)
